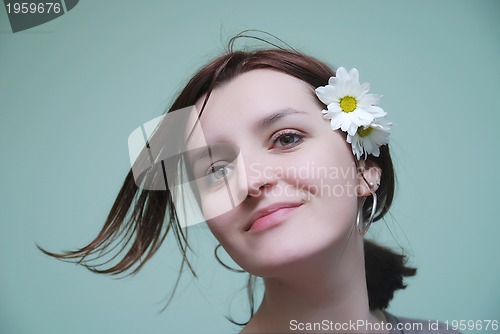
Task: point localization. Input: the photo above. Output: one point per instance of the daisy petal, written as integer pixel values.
(371, 99)
(354, 75)
(362, 117)
(336, 121)
(352, 129)
(341, 74)
(325, 94)
(377, 111)
(346, 126)
(334, 107)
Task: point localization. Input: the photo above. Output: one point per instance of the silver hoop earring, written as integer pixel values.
(361, 225)
(223, 264)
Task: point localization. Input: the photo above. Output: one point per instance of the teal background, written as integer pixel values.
(73, 89)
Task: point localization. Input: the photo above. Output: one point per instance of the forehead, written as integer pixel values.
(252, 95)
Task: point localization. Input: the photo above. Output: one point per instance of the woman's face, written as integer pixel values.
(296, 179)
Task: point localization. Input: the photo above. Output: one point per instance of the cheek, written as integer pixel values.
(323, 175)
(328, 179)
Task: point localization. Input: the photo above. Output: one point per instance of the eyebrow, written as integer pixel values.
(276, 116)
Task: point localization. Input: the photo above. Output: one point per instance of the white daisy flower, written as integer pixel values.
(349, 105)
(368, 140)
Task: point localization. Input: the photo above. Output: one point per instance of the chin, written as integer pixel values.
(283, 254)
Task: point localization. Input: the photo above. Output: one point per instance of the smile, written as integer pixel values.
(271, 216)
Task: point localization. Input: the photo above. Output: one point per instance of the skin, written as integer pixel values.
(312, 261)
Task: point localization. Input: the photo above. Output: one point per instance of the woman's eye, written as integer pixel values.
(287, 139)
(217, 172)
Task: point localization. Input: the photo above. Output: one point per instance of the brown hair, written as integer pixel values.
(137, 221)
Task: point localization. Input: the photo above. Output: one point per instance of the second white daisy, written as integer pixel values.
(368, 140)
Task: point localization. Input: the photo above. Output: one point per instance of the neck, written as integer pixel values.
(323, 289)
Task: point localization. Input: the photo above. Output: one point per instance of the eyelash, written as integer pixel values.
(284, 133)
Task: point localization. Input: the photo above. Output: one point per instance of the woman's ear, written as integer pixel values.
(369, 174)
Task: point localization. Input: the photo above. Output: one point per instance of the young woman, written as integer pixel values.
(289, 164)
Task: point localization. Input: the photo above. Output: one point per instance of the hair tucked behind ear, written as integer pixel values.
(140, 219)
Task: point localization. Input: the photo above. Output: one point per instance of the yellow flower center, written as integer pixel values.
(348, 103)
(364, 132)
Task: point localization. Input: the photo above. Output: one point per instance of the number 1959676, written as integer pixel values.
(39, 8)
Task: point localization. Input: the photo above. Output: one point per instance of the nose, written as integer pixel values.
(260, 177)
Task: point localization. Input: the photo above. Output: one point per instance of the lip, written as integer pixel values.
(271, 215)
